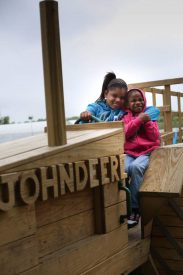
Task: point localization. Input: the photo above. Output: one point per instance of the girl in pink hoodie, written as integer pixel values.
(141, 138)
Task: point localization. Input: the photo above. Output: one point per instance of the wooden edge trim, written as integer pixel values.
(92, 126)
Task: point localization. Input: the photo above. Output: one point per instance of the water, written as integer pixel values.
(16, 131)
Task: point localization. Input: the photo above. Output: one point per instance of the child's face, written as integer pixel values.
(115, 98)
(136, 102)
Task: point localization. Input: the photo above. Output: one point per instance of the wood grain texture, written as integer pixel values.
(85, 254)
(55, 236)
(112, 194)
(68, 205)
(104, 142)
(124, 261)
(18, 256)
(92, 126)
(112, 216)
(54, 95)
(60, 233)
(164, 175)
(17, 223)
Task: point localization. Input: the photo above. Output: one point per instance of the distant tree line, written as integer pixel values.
(4, 120)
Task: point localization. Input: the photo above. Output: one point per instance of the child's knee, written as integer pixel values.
(137, 167)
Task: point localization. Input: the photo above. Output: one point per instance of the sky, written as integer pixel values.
(139, 40)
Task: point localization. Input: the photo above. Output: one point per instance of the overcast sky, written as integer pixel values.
(140, 40)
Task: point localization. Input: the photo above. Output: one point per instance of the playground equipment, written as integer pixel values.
(62, 200)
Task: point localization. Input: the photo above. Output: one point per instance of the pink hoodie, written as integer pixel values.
(140, 137)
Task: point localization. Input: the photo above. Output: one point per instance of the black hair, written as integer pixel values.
(110, 82)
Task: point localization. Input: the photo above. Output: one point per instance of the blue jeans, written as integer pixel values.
(135, 168)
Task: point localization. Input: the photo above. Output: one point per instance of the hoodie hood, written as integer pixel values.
(142, 93)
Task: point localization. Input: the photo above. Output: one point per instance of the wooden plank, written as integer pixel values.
(54, 95)
(85, 254)
(150, 207)
(15, 147)
(179, 201)
(27, 144)
(108, 195)
(176, 232)
(112, 194)
(93, 148)
(168, 253)
(156, 83)
(174, 114)
(165, 231)
(174, 93)
(164, 176)
(17, 223)
(114, 135)
(162, 242)
(32, 271)
(160, 262)
(149, 267)
(124, 261)
(164, 272)
(95, 126)
(153, 90)
(112, 216)
(176, 266)
(166, 138)
(18, 256)
(68, 205)
(165, 108)
(60, 234)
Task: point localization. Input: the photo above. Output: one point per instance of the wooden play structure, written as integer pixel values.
(63, 202)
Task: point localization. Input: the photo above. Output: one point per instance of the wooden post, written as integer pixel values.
(167, 114)
(154, 96)
(179, 119)
(52, 73)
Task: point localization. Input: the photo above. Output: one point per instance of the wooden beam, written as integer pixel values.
(52, 73)
(156, 83)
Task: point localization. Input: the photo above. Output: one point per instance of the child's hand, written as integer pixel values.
(144, 117)
(85, 115)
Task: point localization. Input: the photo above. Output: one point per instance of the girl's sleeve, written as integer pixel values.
(152, 130)
(132, 127)
(92, 108)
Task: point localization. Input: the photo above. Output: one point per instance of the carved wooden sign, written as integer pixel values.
(57, 180)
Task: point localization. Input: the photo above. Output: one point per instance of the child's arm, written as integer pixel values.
(132, 127)
(152, 130)
(91, 110)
